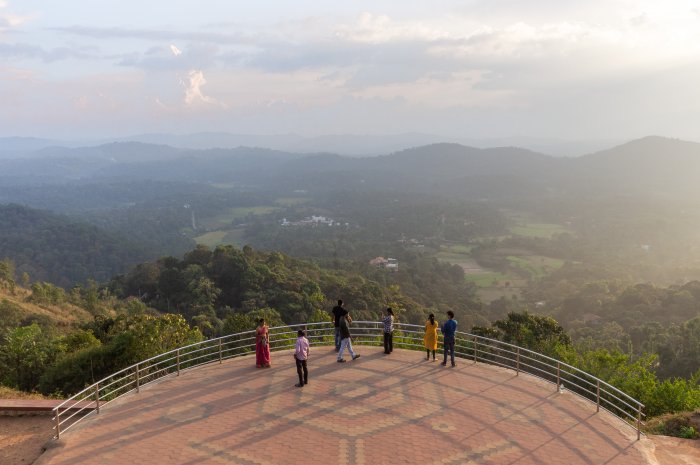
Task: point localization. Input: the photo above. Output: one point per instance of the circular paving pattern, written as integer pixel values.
(378, 409)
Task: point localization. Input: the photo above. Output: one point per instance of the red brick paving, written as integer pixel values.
(396, 409)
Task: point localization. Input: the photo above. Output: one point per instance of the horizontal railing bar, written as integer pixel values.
(536, 369)
(116, 389)
(76, 413)
(103, 387)
(154, 373)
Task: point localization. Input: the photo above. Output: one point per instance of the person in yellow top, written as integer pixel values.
(430, 340)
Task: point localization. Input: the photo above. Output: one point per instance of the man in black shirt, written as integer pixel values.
(338, 312)
(346, 339)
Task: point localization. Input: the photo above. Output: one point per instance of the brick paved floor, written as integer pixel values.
(378, 409)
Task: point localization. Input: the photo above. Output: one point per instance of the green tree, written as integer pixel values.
(7, 274)
(130, 340)
(26, 352)
(540, 333)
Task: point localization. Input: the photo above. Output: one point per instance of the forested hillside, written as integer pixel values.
(209, 285)
(53, 248)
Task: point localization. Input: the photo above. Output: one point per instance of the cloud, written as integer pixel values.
(9, 20)
(370, 28)
(193, 90)
(23, 51)
(165, 58)
(153, 34)
(459, 89)
(407, 66)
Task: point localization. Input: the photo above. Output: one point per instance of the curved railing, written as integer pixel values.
(467, 346)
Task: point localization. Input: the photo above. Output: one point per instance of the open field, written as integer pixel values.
(221, 237)
(487, 279)
(491, 284)
(537, 266)
(226, 218)
(291, 201)
(544, 230)
(211, 239)
(458, 249)
(234, 237)
(468, 264)
(521, 265)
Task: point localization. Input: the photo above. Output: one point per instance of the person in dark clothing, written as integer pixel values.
(346, 340)
(338, 313)
(448, 335)
(388, 322)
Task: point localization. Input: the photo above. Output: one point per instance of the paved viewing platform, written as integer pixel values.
(378, 409)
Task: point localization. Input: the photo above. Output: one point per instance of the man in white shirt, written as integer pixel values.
(301, 354)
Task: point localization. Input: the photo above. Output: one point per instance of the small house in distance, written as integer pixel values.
(390, 264)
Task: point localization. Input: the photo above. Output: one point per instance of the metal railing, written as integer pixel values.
(467, 346)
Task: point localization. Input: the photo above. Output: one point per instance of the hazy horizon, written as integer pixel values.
(569, 70)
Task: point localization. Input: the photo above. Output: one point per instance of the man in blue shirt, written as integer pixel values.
(448, 335)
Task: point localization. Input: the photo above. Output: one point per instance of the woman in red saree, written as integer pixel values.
(262, 345)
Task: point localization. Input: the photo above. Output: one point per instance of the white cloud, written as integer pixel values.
(459, 89)
(9, 20)
(381, 28)
(193, 90)
(176, 51)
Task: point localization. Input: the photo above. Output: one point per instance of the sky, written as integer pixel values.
(566, 69)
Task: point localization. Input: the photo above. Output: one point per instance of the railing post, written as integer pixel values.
(97, 397)
(178, 362)
(597, 396)
(639, 422)
(475, 342)
(58, 424)
(558, 375)
(517, 363)
(220, 359)
(138, 378)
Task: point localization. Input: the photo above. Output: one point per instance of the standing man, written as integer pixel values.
(448, 335)
(338, 313)
(388, 322)
(301, 355)
(345, 340)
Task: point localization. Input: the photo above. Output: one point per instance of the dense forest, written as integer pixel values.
(208, 285)
(49, 247)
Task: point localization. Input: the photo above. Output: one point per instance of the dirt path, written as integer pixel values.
(676, 451)
(22, 438)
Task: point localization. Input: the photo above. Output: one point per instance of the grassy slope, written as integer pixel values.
(62, 315)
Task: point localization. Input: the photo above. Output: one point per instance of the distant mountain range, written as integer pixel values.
(342, 144)
(652, 163)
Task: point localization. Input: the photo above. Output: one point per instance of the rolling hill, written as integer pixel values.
(53, 248)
